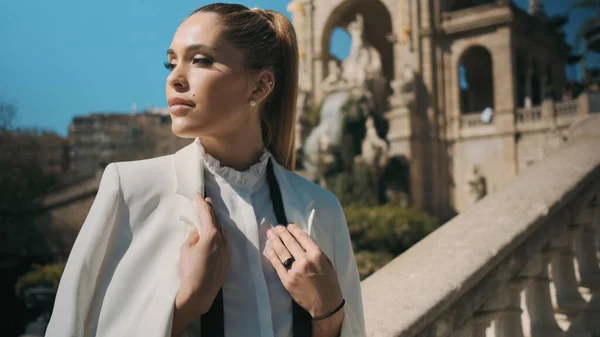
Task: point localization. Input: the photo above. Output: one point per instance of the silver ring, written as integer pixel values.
(288, 263)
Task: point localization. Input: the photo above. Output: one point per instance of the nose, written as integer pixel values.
(178, 81)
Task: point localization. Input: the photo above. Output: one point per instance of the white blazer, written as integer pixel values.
(122, 277)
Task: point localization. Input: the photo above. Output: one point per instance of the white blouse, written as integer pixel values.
(254, 298)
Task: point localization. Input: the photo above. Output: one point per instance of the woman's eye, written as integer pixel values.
(202, 60)
(169, 65)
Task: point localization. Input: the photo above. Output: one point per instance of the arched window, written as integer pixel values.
(536, 83)
(521, 78)
(476, 80)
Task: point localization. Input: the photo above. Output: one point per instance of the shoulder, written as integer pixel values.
(142, 177)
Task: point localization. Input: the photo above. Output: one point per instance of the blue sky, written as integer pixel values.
(64, 58)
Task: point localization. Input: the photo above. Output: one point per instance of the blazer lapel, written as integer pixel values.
(189, 172)
(297, 212)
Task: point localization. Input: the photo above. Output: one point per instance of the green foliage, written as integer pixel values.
(47, 275)
(354, 187)
(388, 228)
(380, 233)
(368, 262)
(313, 116)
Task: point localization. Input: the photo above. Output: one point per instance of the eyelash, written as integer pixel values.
(197, 60)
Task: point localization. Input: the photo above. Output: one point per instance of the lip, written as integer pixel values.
(180, 101)
(180, 110)
(179, 106)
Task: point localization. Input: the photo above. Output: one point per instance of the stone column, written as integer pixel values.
(480, 323)
(509, 323)
(569, 301)
(589, 272)
(537, 297)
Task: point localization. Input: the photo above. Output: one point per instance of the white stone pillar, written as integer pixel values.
(537, 297)
(569, 301)
(589, 271)
(480, 323)
(509, 323)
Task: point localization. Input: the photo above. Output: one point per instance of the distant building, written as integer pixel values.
(98, 139)
(54, 154)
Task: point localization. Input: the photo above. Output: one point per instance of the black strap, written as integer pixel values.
(302, 320)
(213, 322)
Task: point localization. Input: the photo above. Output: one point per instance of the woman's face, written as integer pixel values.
(208, 89)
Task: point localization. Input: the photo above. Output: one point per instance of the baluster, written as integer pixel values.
(589, 272)
(569, 301)
(539, 310)
(480, 323)
(466, 330)
(509, 323)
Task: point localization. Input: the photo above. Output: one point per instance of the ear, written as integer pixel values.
(264, 84)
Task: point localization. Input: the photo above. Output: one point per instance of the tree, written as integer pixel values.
(589, 29)
(22, 183)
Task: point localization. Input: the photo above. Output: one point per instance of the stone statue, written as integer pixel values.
(405, 91)
(334, 80)
(476, 184)
(364, 62)
(374, 149)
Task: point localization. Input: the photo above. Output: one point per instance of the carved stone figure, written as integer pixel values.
(405, 90)
(364, 62)
(334, 80)
(375, 151)
(476, 184)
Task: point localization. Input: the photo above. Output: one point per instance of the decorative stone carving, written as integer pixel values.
(476, 184)
(334, 80)
(375, 151)
(405, 90)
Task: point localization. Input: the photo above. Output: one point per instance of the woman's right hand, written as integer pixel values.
(203, 264)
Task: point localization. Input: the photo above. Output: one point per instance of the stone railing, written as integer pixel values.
(470, 120)
(570, 107)
(521, 262)
(527, 115)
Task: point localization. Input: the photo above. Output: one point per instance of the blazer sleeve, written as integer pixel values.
(348, 278)
(73, 313)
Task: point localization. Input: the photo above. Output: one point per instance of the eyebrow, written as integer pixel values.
(194, 47)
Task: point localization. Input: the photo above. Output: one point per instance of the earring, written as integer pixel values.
(252, 103)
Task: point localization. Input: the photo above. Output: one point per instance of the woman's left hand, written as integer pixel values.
(311, 280)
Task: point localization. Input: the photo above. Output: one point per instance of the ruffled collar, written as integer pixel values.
(254, 176)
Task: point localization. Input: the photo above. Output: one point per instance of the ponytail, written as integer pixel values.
(280, 109)
(268, 40)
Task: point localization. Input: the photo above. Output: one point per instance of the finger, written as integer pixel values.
(192, 237)
(207, 218)
(274, 259)
(278, 246)
(302, 237)
(290, 242)
(218, 225)
(204, 212)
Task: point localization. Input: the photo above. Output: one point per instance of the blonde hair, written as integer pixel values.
(268, 41)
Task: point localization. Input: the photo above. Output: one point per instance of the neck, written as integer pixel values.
(238, 150)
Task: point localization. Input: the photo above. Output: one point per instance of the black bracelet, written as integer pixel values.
(318, 318)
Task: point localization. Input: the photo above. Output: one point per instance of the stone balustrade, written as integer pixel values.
(522, 262)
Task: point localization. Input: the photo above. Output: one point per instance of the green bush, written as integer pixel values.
(47, 275)
(380, 233)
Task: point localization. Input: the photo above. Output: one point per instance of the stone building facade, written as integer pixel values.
(474, 87)
(98, 139)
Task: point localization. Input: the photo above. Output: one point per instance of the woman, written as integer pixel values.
(198, 243)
